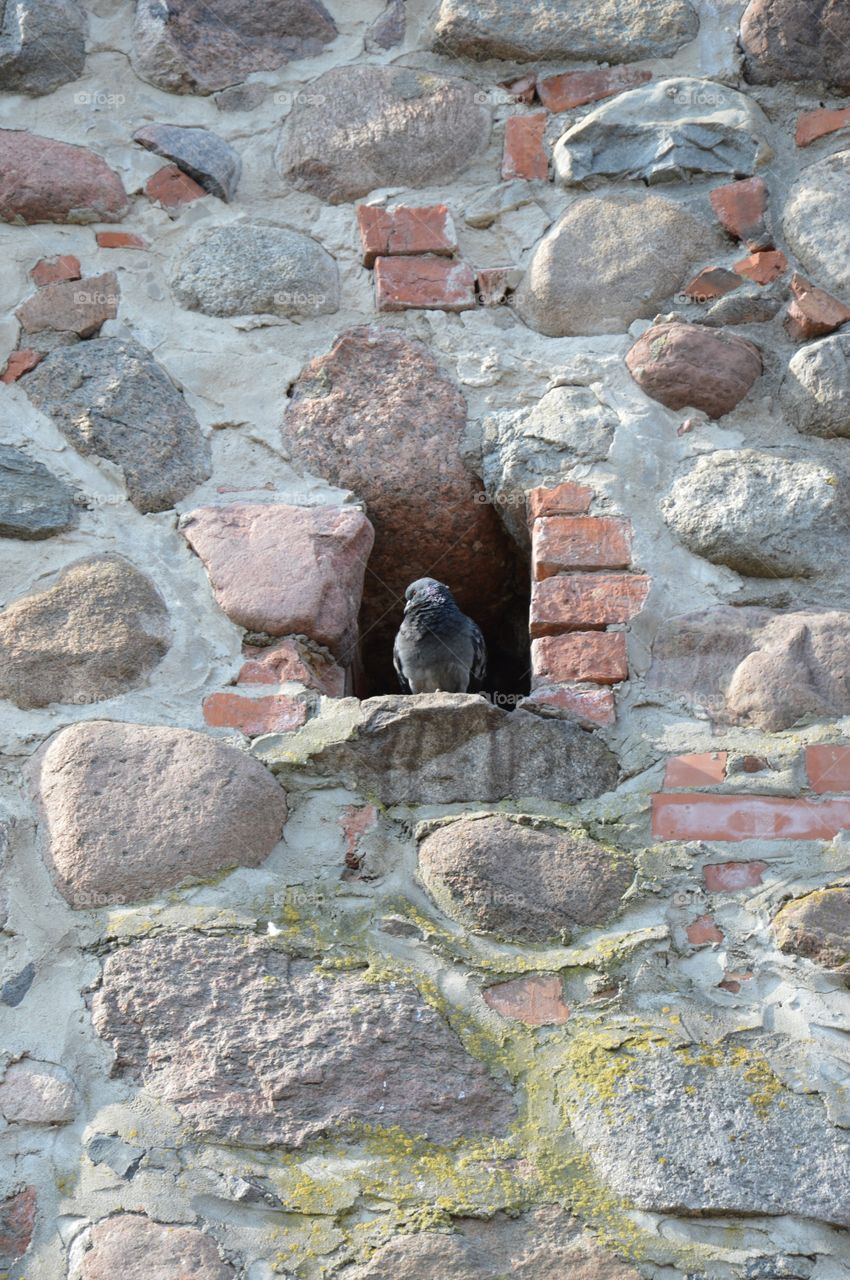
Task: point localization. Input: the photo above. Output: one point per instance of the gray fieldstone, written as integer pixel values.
(521, 883)
(185, 46)
(14, 989)
(595, 30)
(245, 269)
(34, 503)
(117, 1155)
(206, 157)
(283, 1054)
(608, 262)
(636, 1115)
(365, 127)
(816, 225)
(105, 790)
(759, 514)
(42, 45)
(666, 131)
(110, 398)
(34, 1092)
(97, 632)
(134, 1247)
(815, 392)
(797, 40)
(527, 448)
(388, 28)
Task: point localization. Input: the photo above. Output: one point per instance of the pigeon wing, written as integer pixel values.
(399, 666)
(478, 670)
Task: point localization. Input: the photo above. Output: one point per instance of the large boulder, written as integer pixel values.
(360, 128)
(135, 1247)
(34, 503)
(817, 927)
(42, 180)
(97, 632)
(666, 131)
(110, 398)
(684, 365)
(282, 1054)
(797, 40)
(759, 513)
(816, 225)
(522, 883)
(130, 810)
(246, 269)
(42, 45)
(607, 262)
(530, 30)
(815, 391)
(184, 46)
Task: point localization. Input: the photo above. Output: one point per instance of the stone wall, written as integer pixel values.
(299, 304)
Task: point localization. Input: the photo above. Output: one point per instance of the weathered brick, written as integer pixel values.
(699, 769)
(747, 817)
(559, 543)
(524, 154)
(19, 363)
(565, 499)
(575, 88)
(49, 270)
(588, 704)
(728, 877)
(522, 90)
(276, 713)
(583, 601)
(740, 208)
(537, 1000)
(120, 240)
(812, 125)
(828, 767)
(495, 283)
(711, 283)
(813, 312)
(292, 659)
(405, 230)
(732, 982)
(702, 931)
(423, 283)
(171, 187)
(763, 266)
(597, 656)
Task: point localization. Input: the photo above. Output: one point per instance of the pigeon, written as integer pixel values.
(437, 649)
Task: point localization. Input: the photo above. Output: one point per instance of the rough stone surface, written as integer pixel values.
(388, 28)
(696, 654)
(684, 365)
(104, 787)
(817, 927)
(798, 673)
(35, 1092)
(380, 127)
(815, 222)
(42, 180)
(72, 307)
(286, 570)
(184, 46)
(17, 1221)
(815, 392)
(610, 261)
(759, 514)
(206, 157)
(526, 32)
(637, 1116)
(42, 45)
(98, 631)
(135, 1247)
(664, 132)
(377, 416)
(294, 658)
(268, 1030)
(110, 398)
(244, 269)
(441, 748)
(34, 503)
(797, 40)
(525, 884)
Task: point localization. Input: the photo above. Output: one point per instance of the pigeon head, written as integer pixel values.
(426, 591)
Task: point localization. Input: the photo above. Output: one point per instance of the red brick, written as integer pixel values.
(700, 769)
(522, 90)
(17, 1220)
(580, 542)
(537, 1000)
(828, 767)
(404, 230)
(563, 500)
(712, 282)
(171, 187)
(732, 982)
(524, 155)
(274, 714)
(575, 88)
(813, 313)
(728, 877)
(291, 660)
(495, 283)
(19, 363)
(719, 817)
(355, 822)
(702, 931)
(740, 208)
(430, 284)
(763, 266)
(812, 125)
(754, 764)
(583, 601)
(49, 270)
(597, 656)
(120, 240)
(588, 705)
